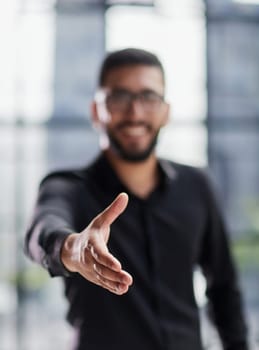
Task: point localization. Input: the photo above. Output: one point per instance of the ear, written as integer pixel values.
(100, 114)
(167, 110)
(94, 115)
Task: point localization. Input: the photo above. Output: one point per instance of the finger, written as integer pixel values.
(115, 287)
(102, 256)
(121, 277)
(110, 214)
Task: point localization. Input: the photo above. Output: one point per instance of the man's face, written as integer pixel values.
(133, 110)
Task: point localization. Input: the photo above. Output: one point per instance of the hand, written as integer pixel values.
(87, 252)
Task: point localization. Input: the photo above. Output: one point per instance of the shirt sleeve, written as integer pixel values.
(223, 291)
(52, 221)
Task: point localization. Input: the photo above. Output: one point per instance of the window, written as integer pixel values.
(176, 33)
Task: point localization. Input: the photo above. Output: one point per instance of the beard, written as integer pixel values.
(131, 155)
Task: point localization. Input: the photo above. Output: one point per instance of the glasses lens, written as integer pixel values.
(150, 99)
(120, 100)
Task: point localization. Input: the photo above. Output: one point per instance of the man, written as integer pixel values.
(127, 231)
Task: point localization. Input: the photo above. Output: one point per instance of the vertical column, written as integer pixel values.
(79, 50)
(233, 106)
(80, 41)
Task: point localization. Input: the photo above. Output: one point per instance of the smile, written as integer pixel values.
(134, 131)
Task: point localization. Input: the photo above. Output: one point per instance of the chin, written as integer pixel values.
(134, 156)
(130, 154)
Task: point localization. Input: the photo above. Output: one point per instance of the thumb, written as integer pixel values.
(110, 214)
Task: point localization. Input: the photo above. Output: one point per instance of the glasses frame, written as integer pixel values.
(143, 97)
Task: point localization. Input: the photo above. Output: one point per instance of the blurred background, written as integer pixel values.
(50, 52)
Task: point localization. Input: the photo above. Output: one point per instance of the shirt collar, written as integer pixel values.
(105, 174)
(168, 170)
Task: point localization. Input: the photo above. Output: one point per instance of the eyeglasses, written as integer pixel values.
(120, 100)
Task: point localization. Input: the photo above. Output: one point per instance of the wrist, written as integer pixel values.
(67, 252)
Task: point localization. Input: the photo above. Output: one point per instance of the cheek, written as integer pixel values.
(114, 120)
(112, 126)
(161, 122)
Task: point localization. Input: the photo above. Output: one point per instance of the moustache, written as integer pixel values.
(125, 124)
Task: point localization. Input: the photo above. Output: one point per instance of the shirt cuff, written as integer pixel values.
(52, 259)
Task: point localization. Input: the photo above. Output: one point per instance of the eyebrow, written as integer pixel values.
(121, 89)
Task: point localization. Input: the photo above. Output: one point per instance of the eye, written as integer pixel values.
(151, 96)
(118, 97)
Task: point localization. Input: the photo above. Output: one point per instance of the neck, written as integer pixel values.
(139, 177)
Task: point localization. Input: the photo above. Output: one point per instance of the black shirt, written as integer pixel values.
(159, 241)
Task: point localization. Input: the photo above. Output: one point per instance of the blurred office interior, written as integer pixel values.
(50, 55)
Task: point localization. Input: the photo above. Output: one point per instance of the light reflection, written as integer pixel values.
(35, 66)
(248, 2)
(7, 59)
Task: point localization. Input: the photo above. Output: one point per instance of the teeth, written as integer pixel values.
(135, 131)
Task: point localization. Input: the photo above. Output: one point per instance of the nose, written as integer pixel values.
(135, 109)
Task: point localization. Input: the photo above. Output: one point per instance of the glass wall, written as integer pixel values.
(47, 80)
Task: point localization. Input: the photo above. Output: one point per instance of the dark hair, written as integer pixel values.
(128, 57)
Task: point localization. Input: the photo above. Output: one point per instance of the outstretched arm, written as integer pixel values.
(53, 241)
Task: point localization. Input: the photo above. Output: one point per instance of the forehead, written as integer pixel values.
(135, 78)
